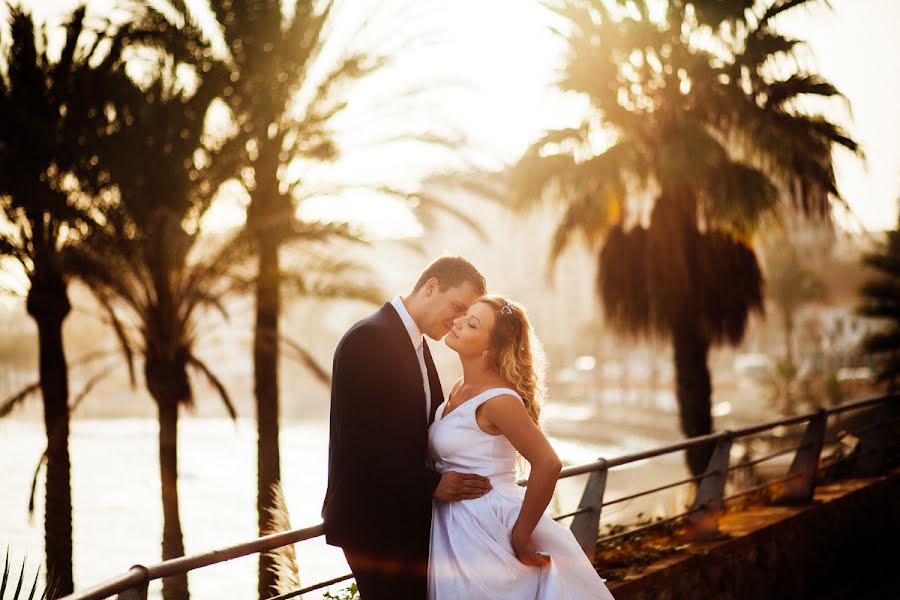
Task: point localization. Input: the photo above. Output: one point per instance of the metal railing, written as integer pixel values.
(874, 442)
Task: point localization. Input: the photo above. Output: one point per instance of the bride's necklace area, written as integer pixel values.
(451, 406)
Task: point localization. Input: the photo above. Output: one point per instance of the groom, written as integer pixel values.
(384, 394)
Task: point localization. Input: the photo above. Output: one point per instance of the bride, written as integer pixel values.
(500, 545)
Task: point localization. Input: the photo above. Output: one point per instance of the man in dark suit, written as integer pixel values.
(384, 394)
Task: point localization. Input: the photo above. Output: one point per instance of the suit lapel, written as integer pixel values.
(405, 354)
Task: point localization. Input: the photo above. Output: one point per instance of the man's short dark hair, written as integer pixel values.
(451, 272)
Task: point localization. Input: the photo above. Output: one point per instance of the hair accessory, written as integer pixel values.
(506, 309)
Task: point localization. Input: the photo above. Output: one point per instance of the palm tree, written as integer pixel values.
(286, 94)
(881, 300)
(691, 142)
(139, 263)
(148, 265)
(45, 122)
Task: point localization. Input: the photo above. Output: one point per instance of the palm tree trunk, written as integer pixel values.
(694, 389)
(268, 214)
(175, 587)
(265, 362)
(49, 308)
(789, 339)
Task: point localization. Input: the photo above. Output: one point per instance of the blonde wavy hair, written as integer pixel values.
(517, 353)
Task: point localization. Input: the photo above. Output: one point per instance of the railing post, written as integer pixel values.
(800, 488)
(874, 443)
(138, 592)
(586, 525)
(704, 512)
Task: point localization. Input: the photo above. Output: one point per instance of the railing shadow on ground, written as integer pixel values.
(869, 458)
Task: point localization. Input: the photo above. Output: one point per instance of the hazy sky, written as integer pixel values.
(857, 47)
(506, 57)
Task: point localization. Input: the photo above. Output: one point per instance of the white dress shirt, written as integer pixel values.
(418, 342)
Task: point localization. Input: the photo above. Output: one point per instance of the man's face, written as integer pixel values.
(446, 306)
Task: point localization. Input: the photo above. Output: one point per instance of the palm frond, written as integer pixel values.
(305, 34)
(484, 185)
(11, 247)
(453, 141)
(759, 48)
(16, 399)
(729, 284)
(306, 358)
(73, 406)
(99, 272)
(327, 278)
(715, 13)
(5, 574)
(21, 580)
(287, 573)
(887, 263)
(215, 382)
(882, 298)
(232, 252)
(881, 301)
(125, 344)
(324, 107)
(591, 214)
(73, 32)
(89, 385)
(782, 91)
(883, 342)
(739, 197)
(793, 149)
(32, 492)
(781, 6)
(534, 173)
(622, 281)
(200, 298)
(424, 205)
(688, 155)
(323, 231)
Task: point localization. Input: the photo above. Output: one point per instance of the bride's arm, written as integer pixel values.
(507, 414)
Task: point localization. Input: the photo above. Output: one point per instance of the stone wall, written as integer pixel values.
(825, 550)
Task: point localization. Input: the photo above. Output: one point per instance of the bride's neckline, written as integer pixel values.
(445, 414)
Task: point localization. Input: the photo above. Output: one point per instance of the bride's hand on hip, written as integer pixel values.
(526, 551)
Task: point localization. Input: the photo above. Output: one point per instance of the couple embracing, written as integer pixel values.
(422, 494)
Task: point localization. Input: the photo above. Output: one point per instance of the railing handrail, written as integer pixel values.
(139, 574)
(708, 438)
(183, 564)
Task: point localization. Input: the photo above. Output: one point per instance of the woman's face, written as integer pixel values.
(471, 333)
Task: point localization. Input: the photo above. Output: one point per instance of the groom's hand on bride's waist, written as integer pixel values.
(461, 486)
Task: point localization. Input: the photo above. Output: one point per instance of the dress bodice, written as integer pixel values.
(456, 443)
(470, 552)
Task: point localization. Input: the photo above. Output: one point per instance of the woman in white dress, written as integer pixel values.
(500, 545)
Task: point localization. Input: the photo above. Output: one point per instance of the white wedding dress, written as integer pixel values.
(471, 553)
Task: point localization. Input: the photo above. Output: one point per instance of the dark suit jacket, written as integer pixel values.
(379, 487)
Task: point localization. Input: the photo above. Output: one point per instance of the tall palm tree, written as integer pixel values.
(148, 265)
(139, 264)
(691, 141)
(286, 94)
(881, 300)
(274, 55)
(45, 122)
